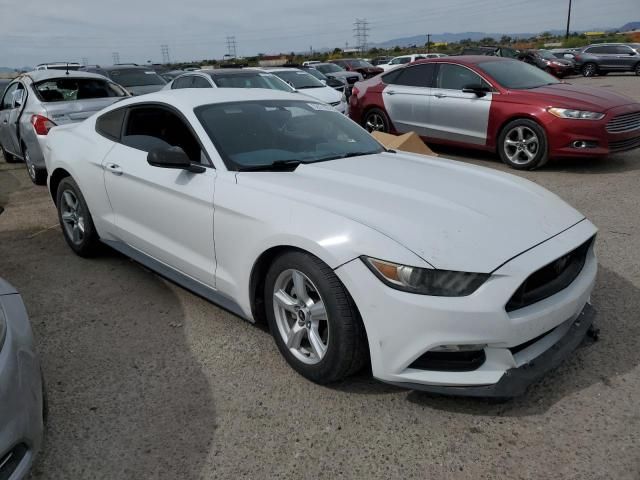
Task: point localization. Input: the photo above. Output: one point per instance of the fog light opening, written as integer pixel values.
(582, 144)
(458, 348)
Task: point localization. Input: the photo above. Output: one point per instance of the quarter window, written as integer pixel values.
(623, 50)
(455, 77)
(182, 82)
(148, 128)
(110, 124)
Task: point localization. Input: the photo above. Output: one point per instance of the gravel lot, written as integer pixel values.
(146, 380)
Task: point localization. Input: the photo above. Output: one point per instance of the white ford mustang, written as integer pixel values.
(444, 276)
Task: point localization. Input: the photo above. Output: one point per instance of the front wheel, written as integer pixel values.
(375, 120)
(37, 175)
(313, 319)
(589, 70)
(75, 219)
(522, 145)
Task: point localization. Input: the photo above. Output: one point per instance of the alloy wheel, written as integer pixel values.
(589, 70)
(301, 316)
(521, 145)
(72, 217)
(375, 123)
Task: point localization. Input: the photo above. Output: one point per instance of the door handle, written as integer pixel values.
(440, 95)
(390, 92)
(115, 169)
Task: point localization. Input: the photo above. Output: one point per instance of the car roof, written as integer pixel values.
(465, 59)
(188, 98)
(124, 67)
(281, 69)
(40, 75)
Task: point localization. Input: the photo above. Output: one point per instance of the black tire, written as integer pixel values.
(637, 69)
(589, 69)
(9, 158)
(519, 159)
(347, 349)
(37, 175)
(88, 244)
(376, 120)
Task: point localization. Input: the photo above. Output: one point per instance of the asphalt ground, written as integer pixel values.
(148, 381)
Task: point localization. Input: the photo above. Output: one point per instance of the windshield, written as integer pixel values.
(299, 79)
(246, 80)
(517, 75)
(135, 77)
(329, 68)
(259, 133)
(68, 89)
(359, 64)
(316, 73)
(547, 55)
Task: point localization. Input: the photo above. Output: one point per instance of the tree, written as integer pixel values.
(397, 49)
(488, 40)
(337, 51)
(505, 39)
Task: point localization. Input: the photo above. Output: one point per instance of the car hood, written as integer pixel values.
(344, 74)
(324, 94)
(566, 95)
(453, 215)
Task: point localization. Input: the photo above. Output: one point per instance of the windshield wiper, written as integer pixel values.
(346, 155)
(309, 86)
(286, 165)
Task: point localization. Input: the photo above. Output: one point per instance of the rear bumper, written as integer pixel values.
(516, 380)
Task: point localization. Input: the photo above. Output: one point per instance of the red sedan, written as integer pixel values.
(498, 104)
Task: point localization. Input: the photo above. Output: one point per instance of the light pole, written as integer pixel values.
(566, 37)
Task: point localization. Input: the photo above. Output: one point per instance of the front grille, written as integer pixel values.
(550, 279)
(450, 361)
(624, 145)
(11, 460)
(352, 79)
(626, 122)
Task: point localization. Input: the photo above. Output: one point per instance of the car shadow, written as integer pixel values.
(617, 302)
(127, 398)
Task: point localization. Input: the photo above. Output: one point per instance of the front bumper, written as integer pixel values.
(563, 133)
(401, 327)
(21, 402)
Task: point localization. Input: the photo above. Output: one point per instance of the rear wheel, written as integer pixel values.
(313, 319)
(589, 70)
(522, 145)
(37, 175)
(375, 120)
(637, 69)
(75, 219)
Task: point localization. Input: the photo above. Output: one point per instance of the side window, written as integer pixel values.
(110, 124)
(623, 50)
(153, 127)
(417, 76)
(596, 50)
(199, 82)
(391, 77)
(455, 77)
(182, 82)
(8, 95)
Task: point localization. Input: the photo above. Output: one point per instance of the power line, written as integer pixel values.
(361, 32)
(165, 54)
(116, 57)
(231, 46)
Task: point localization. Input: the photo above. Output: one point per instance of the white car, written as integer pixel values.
(404, 59)
(309, 85)
(444, 276)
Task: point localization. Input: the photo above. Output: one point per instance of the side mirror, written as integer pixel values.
(172, 157)
(478, 90)
(17, 98)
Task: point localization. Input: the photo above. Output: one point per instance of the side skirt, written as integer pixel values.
(179, 278)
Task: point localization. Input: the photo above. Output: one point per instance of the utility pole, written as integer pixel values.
(231, 46)
(428, 42)
(361, 29)
(566, 37)
(165, 54)
(116, 57)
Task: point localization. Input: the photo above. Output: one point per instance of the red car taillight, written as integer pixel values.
(41, 124)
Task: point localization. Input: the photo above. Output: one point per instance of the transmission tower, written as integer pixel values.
(165, 54)
(361, 33)
(116, 57)
(231, 46)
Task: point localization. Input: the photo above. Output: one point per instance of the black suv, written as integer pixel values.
(491, 50)
(608, 57)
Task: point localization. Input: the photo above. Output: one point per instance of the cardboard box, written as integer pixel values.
(408, 142)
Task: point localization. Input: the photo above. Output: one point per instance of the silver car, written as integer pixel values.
(21, 388)
(332, 70)
(37, 101)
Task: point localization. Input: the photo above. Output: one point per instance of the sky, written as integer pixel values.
(37, 31)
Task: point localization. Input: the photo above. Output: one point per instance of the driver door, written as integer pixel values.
(164, 213)
(10, 109)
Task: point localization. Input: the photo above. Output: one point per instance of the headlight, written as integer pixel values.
(344, 97)
(426, 281)
(575, 114)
